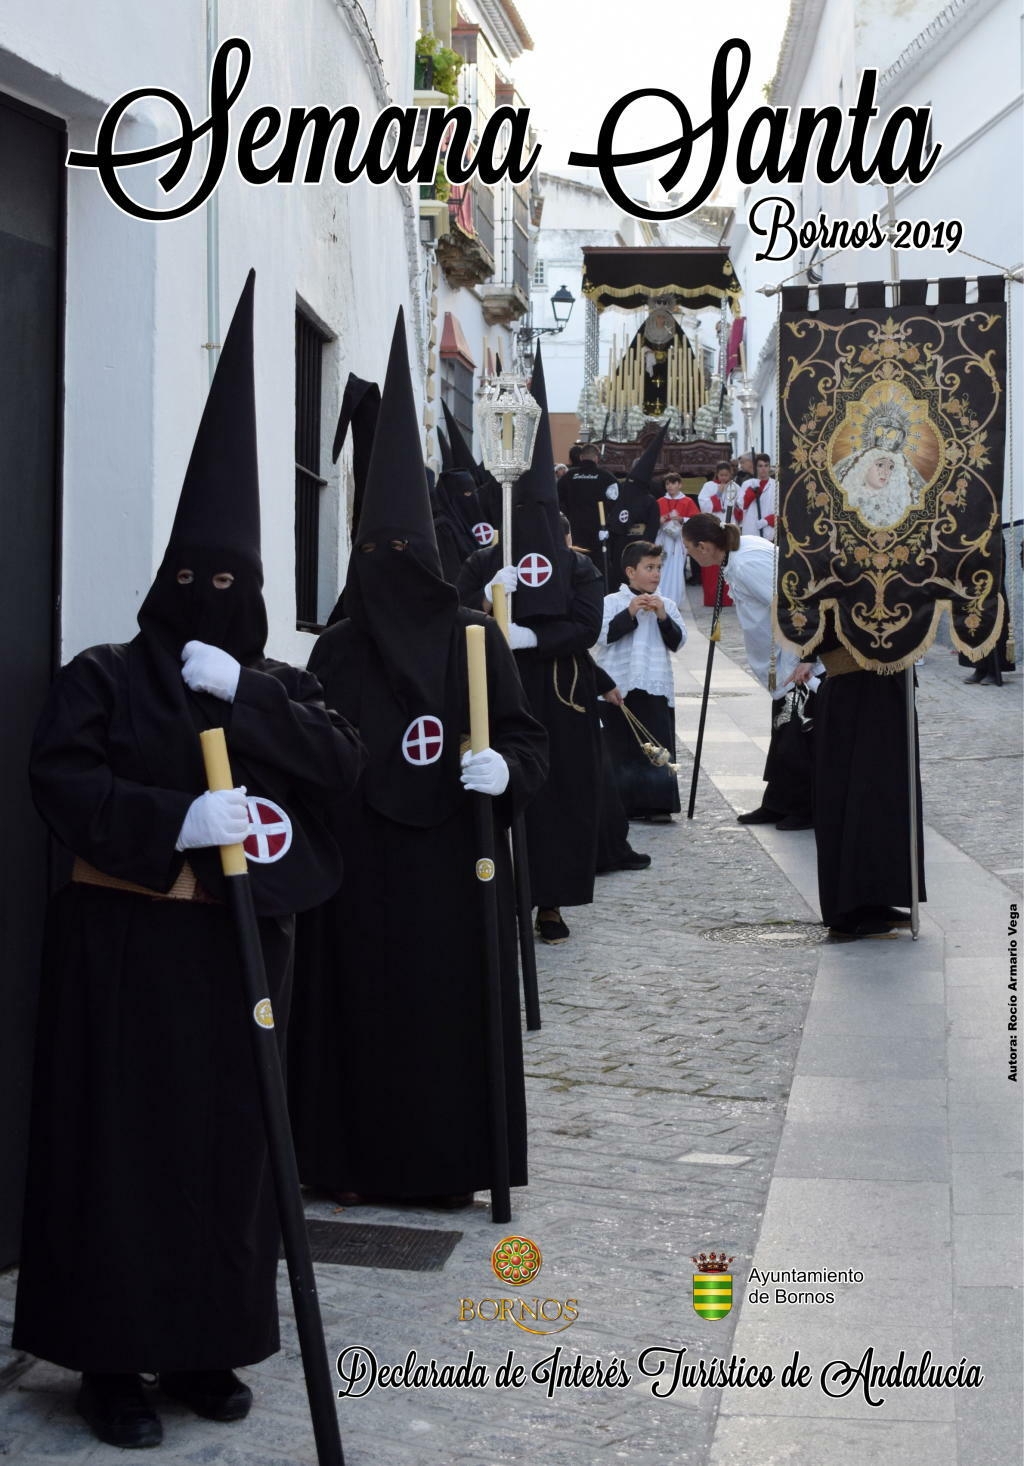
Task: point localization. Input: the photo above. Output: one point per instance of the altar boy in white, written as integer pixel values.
(639, 632)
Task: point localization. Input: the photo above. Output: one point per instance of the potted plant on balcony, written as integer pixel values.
(437, 68)
(440, 189)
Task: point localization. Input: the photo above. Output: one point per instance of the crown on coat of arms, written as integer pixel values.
(712, 1262)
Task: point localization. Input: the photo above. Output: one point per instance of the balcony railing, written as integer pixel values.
(471, 209)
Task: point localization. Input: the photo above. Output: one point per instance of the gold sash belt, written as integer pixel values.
(839, 661)
(185, 888)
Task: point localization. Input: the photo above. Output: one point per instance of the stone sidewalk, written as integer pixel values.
(711, 1076)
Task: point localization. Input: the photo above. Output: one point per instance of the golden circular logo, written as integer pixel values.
(516, 1260)
(485, 870)
(264, 1013)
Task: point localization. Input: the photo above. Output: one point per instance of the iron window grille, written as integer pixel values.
(309, 350)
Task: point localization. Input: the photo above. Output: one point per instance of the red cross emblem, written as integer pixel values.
(534, 569)
(423, 741)
(623, 516)
(270, 834)
(483, 532)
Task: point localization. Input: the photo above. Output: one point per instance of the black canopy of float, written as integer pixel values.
(628, 278)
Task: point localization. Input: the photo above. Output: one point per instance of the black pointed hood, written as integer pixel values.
(217, 524)
(360, 406)
(645, 466)
(447, 461)
(396, 497)
(487, 485)
(459, 449)
(397, 597)
(537, 534)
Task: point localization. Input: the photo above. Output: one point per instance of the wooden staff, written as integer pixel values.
(713, 637)
(521, 868)
(238, 898)
(479, 739)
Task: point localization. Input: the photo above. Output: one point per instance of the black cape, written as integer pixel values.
(633, 516)
(558, 679)
(387, 1086)
(151, 1235)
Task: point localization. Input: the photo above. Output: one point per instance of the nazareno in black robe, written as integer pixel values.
(861, 796)
(151, 1234)
(387, 1078)
(558, 679)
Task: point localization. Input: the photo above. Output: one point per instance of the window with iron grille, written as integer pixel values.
(521, 238)
(309, 353)
(457, 394)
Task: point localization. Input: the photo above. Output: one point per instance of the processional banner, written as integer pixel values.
(892, 425)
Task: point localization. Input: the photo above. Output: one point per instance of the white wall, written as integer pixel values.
(136, 370)
(973, 82)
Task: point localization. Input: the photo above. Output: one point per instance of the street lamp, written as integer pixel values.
(562, 303)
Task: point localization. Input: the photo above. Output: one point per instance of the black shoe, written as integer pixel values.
(976, 679)
(215, 1394)
(795, 822)
(118, 1412)
(759, 816)
(553, 933)
(891, 915)
(457, 1201)
(870, 926)
(635, 860)
(659, 817)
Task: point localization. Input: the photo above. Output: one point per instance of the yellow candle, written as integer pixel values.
(479, 732)
(600, 511)
(218, 776)
(500, 608)
(507, 431)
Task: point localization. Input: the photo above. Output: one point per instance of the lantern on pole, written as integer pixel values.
(508, 419)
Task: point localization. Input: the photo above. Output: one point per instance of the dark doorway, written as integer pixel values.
(32, 151)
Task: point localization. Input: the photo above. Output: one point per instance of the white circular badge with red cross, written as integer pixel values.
(534, 570)
(484, 533)
(270, 831)
(423, 741)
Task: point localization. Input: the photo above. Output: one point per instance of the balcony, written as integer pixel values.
(466, 252)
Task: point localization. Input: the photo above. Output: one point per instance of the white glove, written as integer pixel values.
(520, 637)
(485, 772)
(508, 576)
(208, 669)
(602, 535)
(218, 817)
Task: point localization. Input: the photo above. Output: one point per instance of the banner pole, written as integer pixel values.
(915, 915)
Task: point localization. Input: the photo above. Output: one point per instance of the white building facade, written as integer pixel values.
(963, 60)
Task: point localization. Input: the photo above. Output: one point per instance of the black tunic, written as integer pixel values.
(580, 490)
(151, 1234)
(558, 679)
(861, 797)
(387, 1084)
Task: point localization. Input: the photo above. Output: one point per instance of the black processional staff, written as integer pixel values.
(729, 495)
(479, 739)
(521, 867)
(603, 538)
(238, 897)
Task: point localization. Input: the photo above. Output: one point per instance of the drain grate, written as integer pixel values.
(361, 1244)
(772, 933)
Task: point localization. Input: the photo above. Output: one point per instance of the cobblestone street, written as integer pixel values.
(677, 1055)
